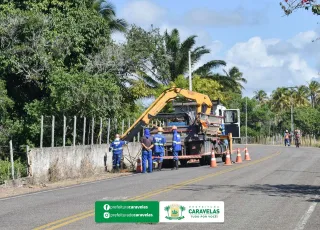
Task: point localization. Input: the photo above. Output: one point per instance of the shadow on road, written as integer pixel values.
(308, 192)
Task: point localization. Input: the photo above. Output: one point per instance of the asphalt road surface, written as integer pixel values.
(278, 189)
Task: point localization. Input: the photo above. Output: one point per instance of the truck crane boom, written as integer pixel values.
(167, 96)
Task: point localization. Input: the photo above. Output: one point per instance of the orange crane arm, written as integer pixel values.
(167, 96)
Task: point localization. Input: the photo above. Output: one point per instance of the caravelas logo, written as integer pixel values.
(192, 211)
(174, 212)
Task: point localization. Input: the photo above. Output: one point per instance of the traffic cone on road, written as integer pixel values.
(213, 160)
(139, 166)
(247, 156)
(228, 160)
(238, 160)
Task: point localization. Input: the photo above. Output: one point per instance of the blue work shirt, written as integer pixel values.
(159, 140)
(223, 131)
(117, 146)
(176, 141)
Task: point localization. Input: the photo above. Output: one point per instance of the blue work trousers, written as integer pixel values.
(159, 157)
(116, 159)
(286, 142)
(175, 155)
(146, 156)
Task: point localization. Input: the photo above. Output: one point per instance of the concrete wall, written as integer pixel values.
(53, 164)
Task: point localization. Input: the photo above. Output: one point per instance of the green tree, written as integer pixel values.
(261, 96)
(289, 6)
(300, 96)
(237, 77)
(314, 89)
(179, 52)
(280, 99)
(107, 11)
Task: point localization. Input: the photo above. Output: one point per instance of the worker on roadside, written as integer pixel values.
(159, 141)
(176, 147)
(286, 138)
(147, 145)
(117, 149)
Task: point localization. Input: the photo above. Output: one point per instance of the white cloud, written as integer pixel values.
(267, 70)
(143, 12)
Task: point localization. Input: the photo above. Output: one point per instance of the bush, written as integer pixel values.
(20, 170)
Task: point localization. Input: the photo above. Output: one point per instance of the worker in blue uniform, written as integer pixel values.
(147, 145)
(159, 141)
(176, 147)
(117, 150)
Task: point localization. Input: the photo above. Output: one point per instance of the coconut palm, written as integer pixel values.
(314, 90)
(237, 76)
(179, 52)
(261, 96)
(300, 96)
(280, 99)
(107, 11)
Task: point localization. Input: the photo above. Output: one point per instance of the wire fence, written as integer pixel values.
(68, 131)
(307, 140)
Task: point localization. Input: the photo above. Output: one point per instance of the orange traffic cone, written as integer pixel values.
(238, 160)
(228, 160)
(247, 156)
(139, 166)
(213, 160)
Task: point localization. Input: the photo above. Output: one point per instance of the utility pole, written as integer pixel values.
(190, 77)
(291, 102)
(246, 120)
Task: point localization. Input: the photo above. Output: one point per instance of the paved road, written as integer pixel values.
(278, 189)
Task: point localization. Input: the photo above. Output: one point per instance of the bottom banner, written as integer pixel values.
(192, 211)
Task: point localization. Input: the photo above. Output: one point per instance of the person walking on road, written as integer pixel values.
(286, 138)
(176, 147)
(159, 141)
(147, 145)
(117, 149)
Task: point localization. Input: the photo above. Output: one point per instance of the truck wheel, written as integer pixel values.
(183, 163)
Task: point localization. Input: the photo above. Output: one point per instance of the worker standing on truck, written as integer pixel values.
(176, 147)
(159, 141)
(147, 145)
(117, 149)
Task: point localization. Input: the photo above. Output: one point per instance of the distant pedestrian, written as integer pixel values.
(159, 141)
(176, 147)
(147, 145)
(117, 150)
(286, 138)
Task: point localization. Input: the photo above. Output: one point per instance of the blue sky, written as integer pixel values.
(271, 49)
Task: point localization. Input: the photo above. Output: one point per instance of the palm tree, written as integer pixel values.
(300, 96)
(182, 208)
(261, 96)
(314, 90)
(237, 76)
(179, 53)
(107, 11)
(281, 99)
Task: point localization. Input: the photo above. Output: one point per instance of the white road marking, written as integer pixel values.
(115, 198)
(304, 219)
(62, 188)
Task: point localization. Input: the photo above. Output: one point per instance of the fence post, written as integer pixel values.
(100, 135)
(41, 132)
(64, 131)
(74, 130)
(52, 132)
(11, 159)
(28, 162)
(108, 135)
(84, 131)
(92, 131)
(129, 123)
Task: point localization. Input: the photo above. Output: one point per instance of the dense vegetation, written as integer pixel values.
(57, 58)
